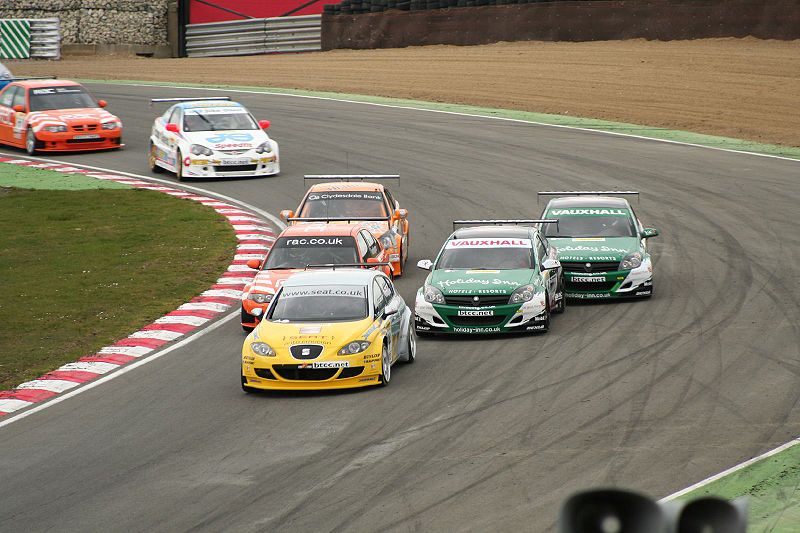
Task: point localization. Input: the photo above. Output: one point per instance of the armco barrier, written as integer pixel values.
(45, 38)
(34, 38)
(254, 36)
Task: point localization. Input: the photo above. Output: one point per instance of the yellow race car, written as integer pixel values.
(330, 329)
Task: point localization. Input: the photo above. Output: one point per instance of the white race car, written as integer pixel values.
(211, 138)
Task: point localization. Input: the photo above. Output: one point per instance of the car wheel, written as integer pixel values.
(247, 389)
(411, 347)
(386, 366)
(179, 166)
(547, 314)
(404, 252)
(32, 145)
(151, 160)
(247, 317)
(562, 300)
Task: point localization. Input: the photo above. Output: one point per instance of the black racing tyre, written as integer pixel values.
(562, 301)
(386, 366)
(151, 160)
(245, 388)
(247, 317)
(411, 346)
(179, 166)
(547, 314)
(32, 144)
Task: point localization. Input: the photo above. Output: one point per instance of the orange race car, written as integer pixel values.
(55, 115)
(299, 247)
(355, 198)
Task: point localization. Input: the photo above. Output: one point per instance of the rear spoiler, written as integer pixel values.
(587, 193)
(351, 177)
(162, 100)
(515, 222)
(338, 219)
(333, 266)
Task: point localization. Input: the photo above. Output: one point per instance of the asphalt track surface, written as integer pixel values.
(481, 434)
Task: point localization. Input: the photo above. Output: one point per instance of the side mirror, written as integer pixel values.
(399, 214)
(372, 260)
(286, 214)
(171, 127)
(425, 264)
(102, 103)
(550, 264)
(649, 232)
(389, 310)
(255, 264)
(19, 108)
(264, 124)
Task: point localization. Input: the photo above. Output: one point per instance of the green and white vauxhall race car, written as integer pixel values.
(602, 245)
(497, 277)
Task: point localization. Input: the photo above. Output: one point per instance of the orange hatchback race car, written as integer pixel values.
(299, 247)
(352, 198)
(55, 116)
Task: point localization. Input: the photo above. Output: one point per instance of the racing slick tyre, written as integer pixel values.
(247, 389)
(179, 166)
(32, 144)
(411, 347)
(547, 314)
(151, 160)
(247, 317)
(386, 366)
(562, 300)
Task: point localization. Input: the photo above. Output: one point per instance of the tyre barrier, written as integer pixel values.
(355, 7)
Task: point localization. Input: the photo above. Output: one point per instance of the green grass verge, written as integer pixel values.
(773, 488)
(25, 177)
(82, 269)
(650, 132)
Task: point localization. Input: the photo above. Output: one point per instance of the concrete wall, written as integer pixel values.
(565, 21)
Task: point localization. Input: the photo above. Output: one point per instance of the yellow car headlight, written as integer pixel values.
(354, 347)
(262, 348)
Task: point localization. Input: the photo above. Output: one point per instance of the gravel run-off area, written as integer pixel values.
(744, 88)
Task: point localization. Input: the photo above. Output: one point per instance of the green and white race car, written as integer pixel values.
(602, 245)
(497, 277)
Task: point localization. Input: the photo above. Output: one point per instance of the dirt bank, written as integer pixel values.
(745, 88)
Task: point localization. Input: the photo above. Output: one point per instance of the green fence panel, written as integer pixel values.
(15, 39)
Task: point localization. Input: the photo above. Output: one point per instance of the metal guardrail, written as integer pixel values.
(45, 38)
(254, 36)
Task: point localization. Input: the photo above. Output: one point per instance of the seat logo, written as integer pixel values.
(306, 351)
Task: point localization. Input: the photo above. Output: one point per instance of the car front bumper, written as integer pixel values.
(71, 141)
(439, 318)
(635, 283)
(287, 373)
(211, 167)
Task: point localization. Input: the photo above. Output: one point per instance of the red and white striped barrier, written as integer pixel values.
(254, 237)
